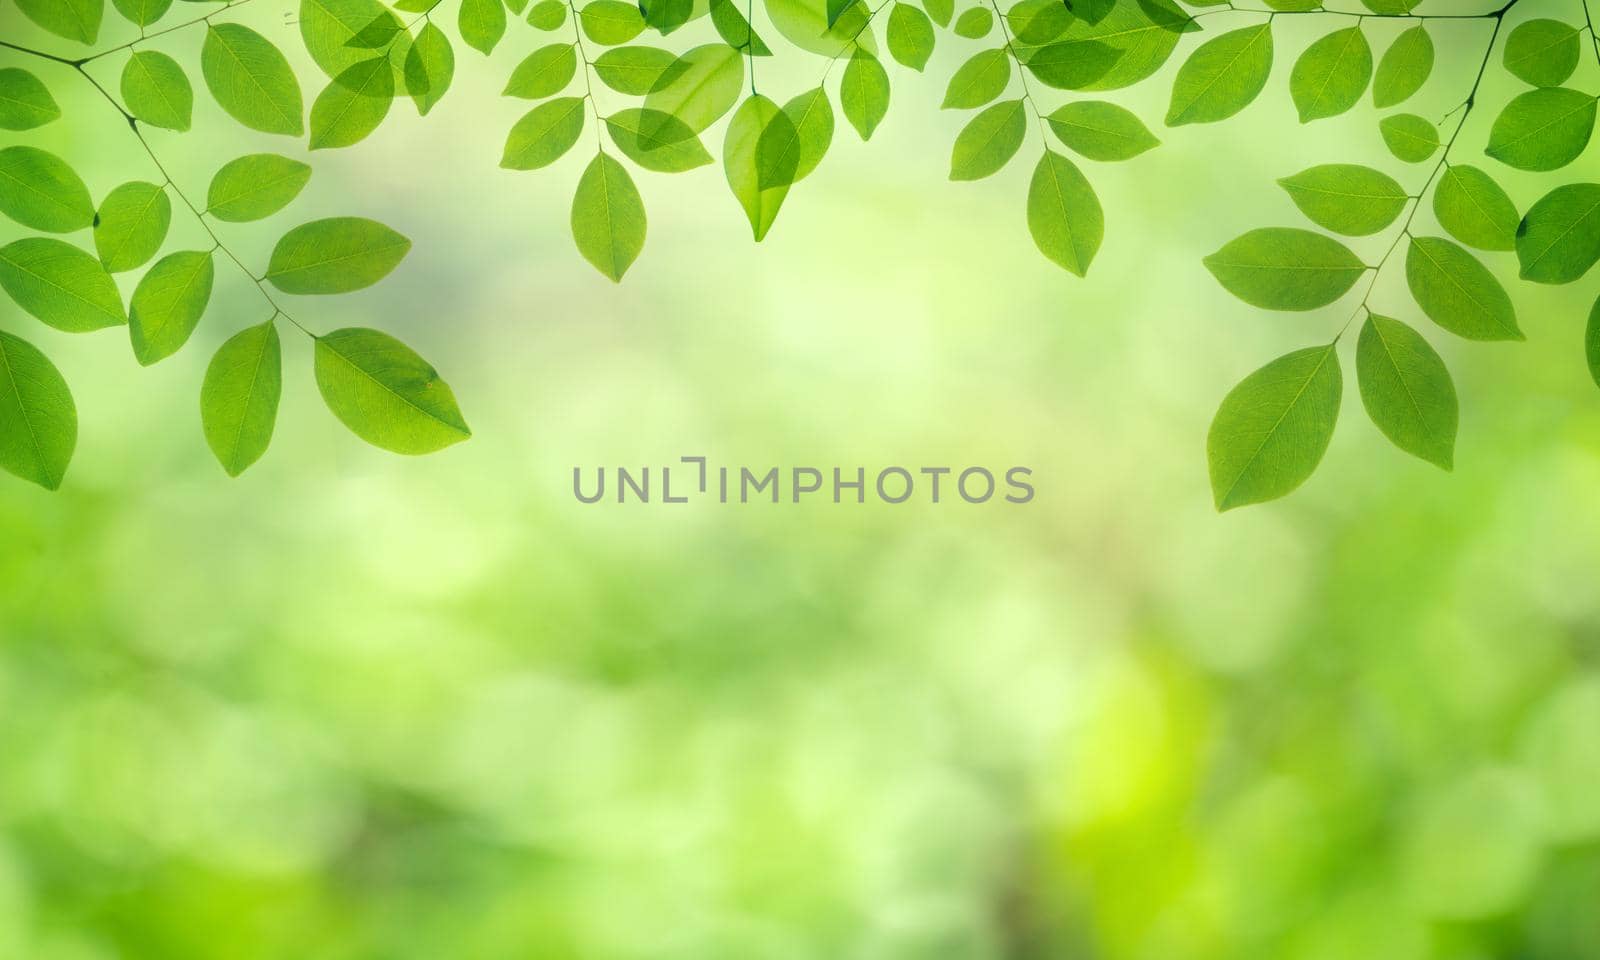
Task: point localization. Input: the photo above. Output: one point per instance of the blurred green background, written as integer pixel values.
(357, 706)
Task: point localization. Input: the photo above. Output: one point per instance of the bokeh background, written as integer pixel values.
(360, 706)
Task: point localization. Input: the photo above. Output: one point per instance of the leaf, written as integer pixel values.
(1072, 65)
(239, 398)
(352, 105)
(1543, 53)
(735, 30)
(1409, 137)
(741, 161)
(656, 141)
(24, 101)
(988, 141)
(386, 394)
(1404, 68)
(547, 15)
(1473, 208)
(1591, 344)
(608, 221)
(777, 153)
(975, 24)
(251, 80)
(1222, 76)
(544, 73)
(1273, 428)
(255, 186)
(1064, 215)
(38, 420)
(330, 28)
(910, 36)
(142, 12)
(61, 285)
(610, 22)
(1347, 198)
(544, 134)
(379, 32)
(1280, 268)
(336, 255)
(1543, 130)
(1101, 131)
(864, 93)
(1331, 75)
(1407, 390)
(1039, 22)
(1559, 240)
(156, 91)
(168, 304)
(483, 22)
(430, 66)
(703, 86)
(812, 116)
(1144, 34)
(666, 15)
(39, 190)
(836, 9)
(979, 80)
(1391, 8)
(940, 11)
(72, 19)
(1457, 292)
(132, 225)
(636, 71)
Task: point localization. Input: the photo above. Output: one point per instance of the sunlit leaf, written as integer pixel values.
(72, 19)
(1144, 34)
(1591, 343)
(608, 220)
(1543, 130)
(1274, 427)
(1409, 137)
(251, 80)
(1407, 391)
(25, 103)
(255, 186)
(330, 28)
(1222, 76)
(1474, 209)
(1458, 292)
(610, 22)
(547, 15)
(545, 72)
(735, 30)
(1279, 268)
(637, 70)
(1543, 53)
(239, 397)
(666, 15)
(910, 36)
(988, 141)
(975, 24)
(656, 141)
(429, 68)
(864, 93)
(1071, 64)
(156, 90)
(741, 161)
(38, 420)
(483, 22)
(979, 80)
(142, 12)
(544, 134)
(1404, 68)
(703, 86)
(168, 303)
(1101, 131)
(131, 225)
(1559, 239)
(335, 255)
(1038, 22)
(61, 285)
(940, 11)
(1332, 74)
(1064, 214)
(39, 190)
(1347, 198)
(812, 116)
(352, 105)
(386, 394)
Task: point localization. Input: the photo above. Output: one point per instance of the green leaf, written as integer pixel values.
(1222, 77)
(168, 304)
(1591, 344)
(656, 141)
(1038, 22)
(1458, 292)
(483, 22)
(132, 225)
(812, 116)
(61, 285)
(1391, 8)
(1544, 53)
(636, 71)
(239, 398)
(777, 153)
(1101, 131)
(940, 11)
(330, 28)
(1409, 137)
(1407, 390)
(1072, 64)
(39, 190)
(24, 101)
(1273, 428)
(1347, 198)
(864, 93)
(255, 186)
(544, 73)
(742, 161)
(352, 105)
(608, 221)
(975, 24)
(910, 36)
(156, 91)
(702, 87)
(988, 141)
(1559, 240)
(142, 12)
(1064, 215)
(336, 255)
(1280, 268)
(1143, 34)
(1473, 208)
(544, 134)
(430, 66)
(837, 8)
(386, 394)
(38, 421)
(1330, 77)
(666, 15)
(1404, 68)
(979, 80)
(251, 80)
(547, 15)
(379, 32)
(72, 19)
(1543, 130)
(735, 30)
(610, 22)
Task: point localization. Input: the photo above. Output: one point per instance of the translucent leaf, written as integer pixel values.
(1473, 208)
(1458, 292)
(1222, 76)
(812, 116)
(1407, 390)
(1559, 240)
(352, 105)
(777, 153)
(155, 90)
(39, 190)
(741, 162)
(1038, 22)
(1280, 268)
(940, 11)
(251, 80)
(483, 22)
(329, 29)
(988, 141)
(1347, 198)
(1294, 5)
(1273, 428)
(61, 285)
(1064, 215)
(38, 421)
(704, 86)
(379, 32)
(1543, 130)
(636, 71)
(386, 394)
(910, 36)
(837, 8)
(1404, 68)
(864, 93)
(981, 79)
(131, 225)
(25, 103)
(142, 12)
(255, 186)
(545, 72)
(1392, 8)
(1591, 344)
(735, 30)
(430, 66)
(610, 22)
(239, 398)
(73, 19)
(608, 221)
(547, 15)
(1071, 65)
(975, 24)
(168, 303)
(666, 15)
(544, 134)
(1409, 137)
(336, 255)
(1543, 53)
(1332, 74)
(1143, 34)
(1101, 131)
(656, 141)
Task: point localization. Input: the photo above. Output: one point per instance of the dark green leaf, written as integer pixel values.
(386, 394)
(1143, 34)
(608, 221)
(353, 105)
(73, 19)
(24, 101)
(979, 80)
(1274, 427)
(812, 116)
(156, 91)
(1347, 198)
(1458, 292)
(239, 398)
(666, 15)
(544, 134)
(1038, 22)
(38, 421)
(61, 285)
(336, 255)
(430, 66)
(1544, 53)
(1391, 8)
(251, 80)
(610, 22)
(1279, 268)
(1404, 69)
(735, 30)
(988, 141)
(1331, 75)
(1407, 390)
(379, 32)
(656, 141)
(544, 73)
(1591, 344)
(864, 93)
(910, 36)
(1064, 215)
(131, 225)
(1101, 131)
(1473, 208)
(1543, 130)
(1072, 64)
(1222, 77)
(1409, 137)
(1559, 240)
(483, 22)
(168, 304)
(255, 186)
(39, 190)
(975, 24)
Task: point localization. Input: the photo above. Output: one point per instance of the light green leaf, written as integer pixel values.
(38, 421)
(1101, 131)
(864, 93)
(837, 8)
(610, 22)
(1458, 292)
(1280, 268)
(1143, 35)
(702, 87)
(1543, 130)
(910, 36)
(336, 255)
(1543, 53)
(330, 28)
(1331, 75)
(1274, 427)
(979, 80)
(805, 24)
(251, 80)
(168, 304)
(72, 19)
(741, 161)
(975, 24)
(61, 285)
(665, 16)
(544, 134)
(483, 22)
(378, 33)
(239, 398)
(1347, 198)
(656, 141)
(988, 141)
(24, 101)
(1222, 77)
(777, 153)
(430, 66)
(1038, 22)
(608, 221)
(1064, 215)
(812, 116)
(255, 186)
(156, 91)
(1404, 68)
(547, 15)
(1559, 240)
(142, 12)
(1407, 390)
(1072, 64)
(39, 190)
(353, 105)
(1409, 137)
(735, 30)
(1473, 208)
(544, 73)
(940, 11)
(132, 225)
(386, 394)
(636, 71)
